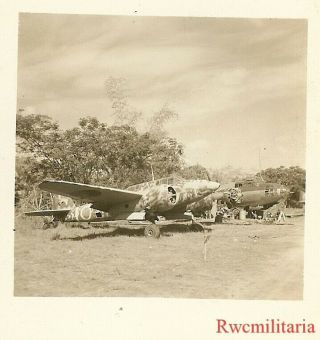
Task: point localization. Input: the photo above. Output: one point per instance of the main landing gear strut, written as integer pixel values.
(151, 230)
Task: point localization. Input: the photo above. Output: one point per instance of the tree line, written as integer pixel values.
(114, 155)
(91, 153)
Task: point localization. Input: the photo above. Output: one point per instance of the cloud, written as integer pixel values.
(234, 82)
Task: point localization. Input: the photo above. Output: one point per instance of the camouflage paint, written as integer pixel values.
(156, 198)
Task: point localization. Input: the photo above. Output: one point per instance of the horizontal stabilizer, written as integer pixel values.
(59, 212)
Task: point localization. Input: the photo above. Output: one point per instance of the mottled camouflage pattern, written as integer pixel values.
(158, 198)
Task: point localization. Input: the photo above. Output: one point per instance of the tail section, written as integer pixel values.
(61, 206)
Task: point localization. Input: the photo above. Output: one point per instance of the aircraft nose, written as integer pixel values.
(196, 189)
(285, 191)
(213, 185)
(207, 187)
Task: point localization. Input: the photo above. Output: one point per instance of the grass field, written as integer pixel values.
(243, 262)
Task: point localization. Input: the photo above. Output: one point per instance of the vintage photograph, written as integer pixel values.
(160, 157)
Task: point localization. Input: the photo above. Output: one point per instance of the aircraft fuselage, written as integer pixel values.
(251, 193)
(158, 199)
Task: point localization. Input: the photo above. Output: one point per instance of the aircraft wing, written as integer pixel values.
(58, 212)
(101, 197)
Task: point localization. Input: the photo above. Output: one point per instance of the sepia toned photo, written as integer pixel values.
(160, 157)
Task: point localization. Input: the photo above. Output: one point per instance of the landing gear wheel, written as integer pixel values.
(152, 230)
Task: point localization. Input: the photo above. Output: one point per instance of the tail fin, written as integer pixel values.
(61, 206)
(62, 202)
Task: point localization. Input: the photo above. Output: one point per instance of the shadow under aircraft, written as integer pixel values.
(167, 197)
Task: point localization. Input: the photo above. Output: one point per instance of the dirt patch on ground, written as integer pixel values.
(243, 262)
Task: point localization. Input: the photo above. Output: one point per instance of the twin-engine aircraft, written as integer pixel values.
(167, 197)
(248, 194)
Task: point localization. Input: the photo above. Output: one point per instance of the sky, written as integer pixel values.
(238, 85)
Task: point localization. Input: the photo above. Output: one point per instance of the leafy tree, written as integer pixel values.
(195, 172)
(158, 121)
(28, 175)
(293, 177)
(91, 153)
(117, 92)
(228, 174)
(34, 134)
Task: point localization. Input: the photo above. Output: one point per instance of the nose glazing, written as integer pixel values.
(207, 186)
(213, 185)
